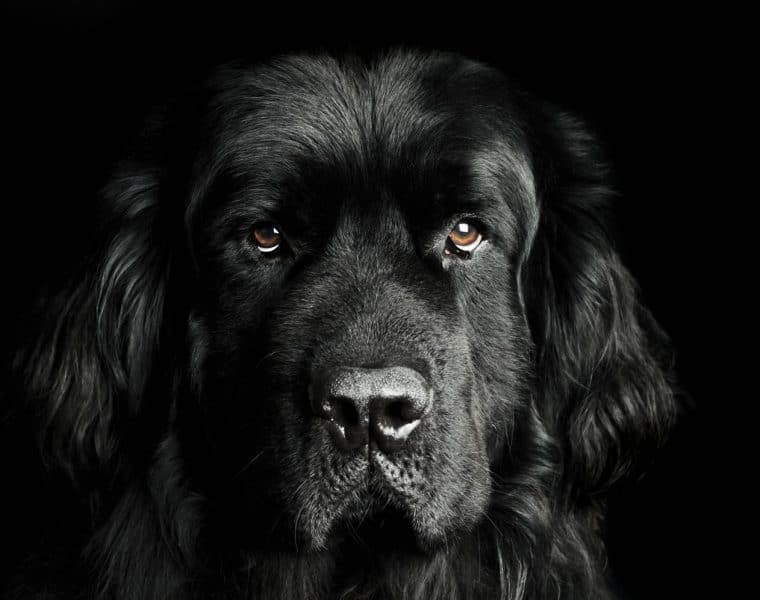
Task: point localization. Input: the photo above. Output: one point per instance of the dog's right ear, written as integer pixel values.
(85, 375)
(604, 365)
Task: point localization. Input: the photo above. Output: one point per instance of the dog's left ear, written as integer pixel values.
(86, 374)
(602, 362)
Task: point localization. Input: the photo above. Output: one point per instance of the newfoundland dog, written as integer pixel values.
(349, 329)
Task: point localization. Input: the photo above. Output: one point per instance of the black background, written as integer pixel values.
(78, 79)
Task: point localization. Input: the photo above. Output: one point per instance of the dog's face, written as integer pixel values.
(361, 324)
(342, 299)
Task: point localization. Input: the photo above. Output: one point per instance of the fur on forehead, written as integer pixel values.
(355, 114)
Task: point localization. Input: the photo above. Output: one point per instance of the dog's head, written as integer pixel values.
(368, 290)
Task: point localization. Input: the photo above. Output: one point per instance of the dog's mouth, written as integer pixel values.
(379, 521)
(364, 495)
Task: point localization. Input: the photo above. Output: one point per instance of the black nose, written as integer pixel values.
(384, 404)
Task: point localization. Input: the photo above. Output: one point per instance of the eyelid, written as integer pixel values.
(268, 250)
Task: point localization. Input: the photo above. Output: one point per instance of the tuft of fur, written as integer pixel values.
(87, 373)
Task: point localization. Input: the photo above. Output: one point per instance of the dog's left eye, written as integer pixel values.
(266, 237)
(463, 239)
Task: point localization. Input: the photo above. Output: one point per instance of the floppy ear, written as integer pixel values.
(602, 361)
(86, 375)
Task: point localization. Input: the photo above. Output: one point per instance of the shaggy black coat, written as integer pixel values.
(168, 381)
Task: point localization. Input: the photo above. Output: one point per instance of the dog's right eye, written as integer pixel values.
(266, 237)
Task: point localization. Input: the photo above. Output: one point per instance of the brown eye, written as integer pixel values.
(463, 239)
(266, 237)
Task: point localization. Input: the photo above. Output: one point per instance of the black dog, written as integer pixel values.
(350, 330)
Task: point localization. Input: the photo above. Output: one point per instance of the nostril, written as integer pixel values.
(397, 412)
(394, 419)
(400, 412)
(344, 412)
(346, 422)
